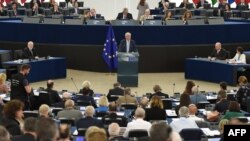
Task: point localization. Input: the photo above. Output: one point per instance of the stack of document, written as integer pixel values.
(209, 132)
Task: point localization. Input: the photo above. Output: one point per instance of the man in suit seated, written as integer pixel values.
(127, 45)
(157, 89)
(113, 116)
(124, 15)
(55, 98)
(89, 119)
(116, 91)
(127, 98)
(86, 98)
(55, 9)
(28, 129)
(201, 3)
(93, 14)
(69, 111)
(219, 53)
(65, 96)
(242, 3)
(30, 52)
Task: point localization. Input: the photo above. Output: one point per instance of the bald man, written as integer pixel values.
(127, 45)
(29, 52)
(124, 15)
(219, 53)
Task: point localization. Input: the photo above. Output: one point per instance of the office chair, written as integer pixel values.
(56, 110)
(191, 134)
(27, 114)
(137, 133)
(44, 98)
(117, 120)
(18, 54)
(67, 121)
(81, 131)
(130, 106)
(83, 103)
(167, 103)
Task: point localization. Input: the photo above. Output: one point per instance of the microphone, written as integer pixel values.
(173, 88)
(74, 84)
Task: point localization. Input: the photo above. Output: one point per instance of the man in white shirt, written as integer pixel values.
(192, 113)
(138, 123)
(183, 122)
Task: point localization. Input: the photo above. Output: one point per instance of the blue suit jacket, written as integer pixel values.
(122, 46)
(87, 122)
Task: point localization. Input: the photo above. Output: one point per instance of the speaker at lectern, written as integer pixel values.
(127, 72)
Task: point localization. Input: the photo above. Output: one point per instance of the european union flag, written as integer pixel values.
(110, 50)
(230, 1)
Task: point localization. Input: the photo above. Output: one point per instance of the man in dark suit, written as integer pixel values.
(201, 3)
(219, 53)
(86, 98)
(157, 89)
(29, 52)
(89, 120)
(29, 130)
(127, 45)
(117, 91)
(124, 15)
(55, 98)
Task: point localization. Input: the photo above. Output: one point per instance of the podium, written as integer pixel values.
(127, 72)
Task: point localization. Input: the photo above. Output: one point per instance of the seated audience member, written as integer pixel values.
(184, 101)
(201, 3)
(65, 96)
(239, 57)
(117, 91)
(86, 98)
(73, 4)
(55, 10)
(32, 2)
(156, 111)
(222, 123)
(4, 134)
(218, 53)
(46, 129)
(197, 96)
(13, 117)
(2, 11)
(183, 122)
(112, 115)
(64, 132)
(14, 8)
(86, 90)
(157, 89)
(165, 6)
(184, 4)
(223, 86)
(30, 52)
(242, 3)
(95, 134)
(168, 16)
(69, 111)
(55, 98)
(124, 15)
(103, 105)
(186, 16)
(233, 111)
(85, 16)
(192, 113)
(243, 93)
(238, 121)
(52, 3)
(222, 105)
(127, 98)
(114, 133)
(89, 119)
(138, 122)
(143, 104)
(44, 111)
(222, 4)
(146, 15)
(29, 130)
(3, 87)
(188, 90)
(93, 14)
(161, 2)
(35, 9)
(242, 80)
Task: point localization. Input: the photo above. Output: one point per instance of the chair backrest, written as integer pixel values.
(215, 21)
(56, 110)
(30, 114)
(125, 22)
(167, 103)
(130, 106)
(10, 13)
(152, 22)
(174, 22)
(95, 22)
(189, 5)
(81, 131)
(44, 98)
(117, 120)
(113, 98)
(18, 54)
(67, 121)
(62, 4)
(242, 7)
(80, 4)
(202, 104)
(83, 103)
(45, 5)
(196, 22)
(191, 134)
(206, 5)
(231, 97)
(137, 133)
(27, 5)
(172, 5)
(21, 11)
(74, 21)
(100, 114)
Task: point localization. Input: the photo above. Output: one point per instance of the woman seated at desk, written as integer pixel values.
(146, 16)
(186, 16)
(168, 16)
(239, 57)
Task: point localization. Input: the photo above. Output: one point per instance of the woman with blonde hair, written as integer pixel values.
(86, 88)
(242, 80)
(3, 87)
(156, 110)
(103, 105)
(44, 110)
(94, 133)
(142, 6)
